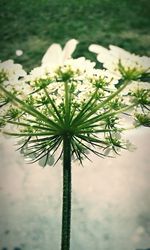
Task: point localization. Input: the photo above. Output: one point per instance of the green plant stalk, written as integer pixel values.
(66, 207)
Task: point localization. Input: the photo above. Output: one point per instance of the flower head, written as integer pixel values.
(70, 98)
(122, 63)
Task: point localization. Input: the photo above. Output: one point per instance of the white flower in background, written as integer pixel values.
(121, 62)
(19, 52)
(11, 71)
(55, 55)
(12, 75)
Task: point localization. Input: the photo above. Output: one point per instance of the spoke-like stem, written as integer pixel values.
(67, 103)
(66, 209)
(105, 115)
(88, 112)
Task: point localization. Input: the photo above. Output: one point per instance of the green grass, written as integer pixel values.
(32, 25)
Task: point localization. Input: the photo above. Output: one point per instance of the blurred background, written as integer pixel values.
(31, 26)
(111, 200)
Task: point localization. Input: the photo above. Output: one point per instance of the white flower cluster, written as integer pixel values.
(93, 100)
(12, 71)
(123, 64)
(119, 61)
(82, 79)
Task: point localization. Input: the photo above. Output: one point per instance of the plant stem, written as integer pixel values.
(66, 209)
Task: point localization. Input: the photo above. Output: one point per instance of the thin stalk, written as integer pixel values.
(66, 209)
(58, 117)
(67, 103)
(28, 134)
(87, 114)
(31, 126)
(108, 99)
(85, 108)
(103, 116)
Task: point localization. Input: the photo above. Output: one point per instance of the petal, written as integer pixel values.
(106, 58)
(98, 49)
(53, 55)
(119, 52)
(69, 49)
(145, 62)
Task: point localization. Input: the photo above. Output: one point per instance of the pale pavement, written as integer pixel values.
(110, 208)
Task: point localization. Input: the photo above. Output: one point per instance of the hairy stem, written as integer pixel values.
(66, 209)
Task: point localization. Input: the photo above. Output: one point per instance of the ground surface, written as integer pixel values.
(110, 207)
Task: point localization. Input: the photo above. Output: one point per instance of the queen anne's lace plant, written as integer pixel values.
(67, 107)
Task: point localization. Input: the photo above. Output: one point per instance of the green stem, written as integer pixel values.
(66, 209)
(105, 115)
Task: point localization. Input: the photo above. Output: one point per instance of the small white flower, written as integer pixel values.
(19, 52)
(81, 64)
(12, 70)
(134, 86)
(37, 73)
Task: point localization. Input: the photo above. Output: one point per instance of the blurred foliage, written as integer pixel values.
(32, 25)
